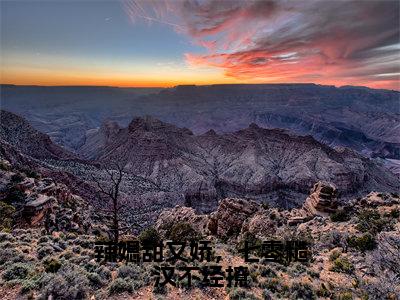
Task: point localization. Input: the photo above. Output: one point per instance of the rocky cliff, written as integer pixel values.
(262, 164)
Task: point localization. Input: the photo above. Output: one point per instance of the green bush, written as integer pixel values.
(362, 243)
(6, 212)
(340, 215)
(181, 232)
(342, 265)
(51, 265)
(120, 285)
(334, 255)
(17, 271)
(29, 285)
(370, 220)
(149, 236)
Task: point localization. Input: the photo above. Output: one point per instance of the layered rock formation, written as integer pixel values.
(166, 165)
(322, 200)
(261, 164)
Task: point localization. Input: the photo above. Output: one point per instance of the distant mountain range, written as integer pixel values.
(366, 120)
(165, 162)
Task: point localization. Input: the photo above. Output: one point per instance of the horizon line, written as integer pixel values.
(199, 85)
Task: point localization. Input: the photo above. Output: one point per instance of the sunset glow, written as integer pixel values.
(166, 43)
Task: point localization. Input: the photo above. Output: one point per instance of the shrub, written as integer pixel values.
(265, 205)
(239, 294)
(31, 173)
(252, 241)
(323, 292)
(272, 284)
(340, 215)
(10, 255)
(313, 274)
(15, 196)
(149, 236)
(76, 249)
(17, 178)
(29, 285)
(120, 285)
(5, 165)
(267, 272)
(370, 220)
(69, 282)
(85, 241)
(6, 211)
(5, 236)
(334, 255)
(345, 296)
(95, 280)
(104, 272)
(17, 271)
(51, 265)
(302, 291)
(362, 243)
(181, 232)
(159, 289)
(44, 251)
(342, 265)
(44, 239)
(128, 272)
(394, 213)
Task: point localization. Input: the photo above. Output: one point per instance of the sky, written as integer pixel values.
(166, 43)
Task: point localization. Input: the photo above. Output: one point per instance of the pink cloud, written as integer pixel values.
(333, 42)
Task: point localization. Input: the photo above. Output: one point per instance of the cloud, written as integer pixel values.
(335, 42)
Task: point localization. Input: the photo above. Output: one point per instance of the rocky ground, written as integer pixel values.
(49, 254)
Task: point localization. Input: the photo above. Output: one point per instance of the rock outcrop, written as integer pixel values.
(180, 214)
(322, 200)
(227, 221)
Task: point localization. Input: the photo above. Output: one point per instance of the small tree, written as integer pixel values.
(110, 194)
(113, 203)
